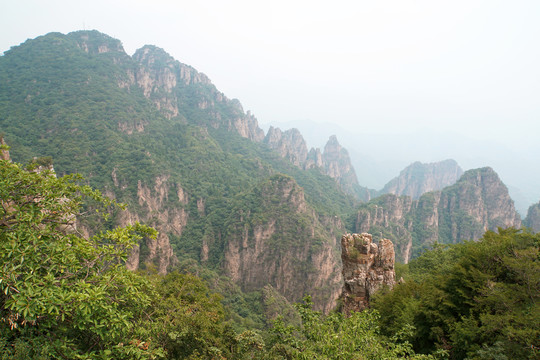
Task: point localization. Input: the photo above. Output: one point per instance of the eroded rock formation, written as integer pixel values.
(367, 267)
(171, 86)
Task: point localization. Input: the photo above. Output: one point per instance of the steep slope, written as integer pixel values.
(418, 178)
(157, 135)
(533, 217)
(275, 237)
(479, 201)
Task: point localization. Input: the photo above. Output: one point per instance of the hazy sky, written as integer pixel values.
(470, 67)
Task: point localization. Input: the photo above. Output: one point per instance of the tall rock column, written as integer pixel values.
(366, 268)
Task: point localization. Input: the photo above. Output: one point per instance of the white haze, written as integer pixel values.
(403, 80)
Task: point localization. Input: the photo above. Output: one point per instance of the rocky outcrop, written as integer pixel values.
(173, 87)
(276, 238)
(289, 144)
(533, 217)
(367, 267)
(314, 159)
(4, 150)
(478, 202)
(334, 161)
(156, 213)
(94, 42)
(419, 178)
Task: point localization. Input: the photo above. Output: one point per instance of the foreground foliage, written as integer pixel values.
(478, 300)
(338, 337)
(64, 295)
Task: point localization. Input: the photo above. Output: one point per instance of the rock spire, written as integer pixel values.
(367, 267)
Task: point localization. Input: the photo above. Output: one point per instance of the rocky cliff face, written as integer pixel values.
(337, 164)
(478, 202)
(289, 144)
(167, 220)
(533, 217)
(366, 268)
(386, 216)
(174, 87)
(279, 240)
(418, 178)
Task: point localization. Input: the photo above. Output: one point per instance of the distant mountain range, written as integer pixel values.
(257, 207)
(378, 157)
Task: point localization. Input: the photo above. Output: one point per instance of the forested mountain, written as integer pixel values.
(251, 216)
(156, 134)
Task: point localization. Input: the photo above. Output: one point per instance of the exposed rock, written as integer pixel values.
(164, 219)
(389, 214)
(314, 159)
(367, 267)
(4, 150)
(533, 217)
(169, 84)
(289, 144)
(94, 42)
(337, 164)
(418, 178)
(281, 242)
(484, 200)
(478, 202)
(334, 161)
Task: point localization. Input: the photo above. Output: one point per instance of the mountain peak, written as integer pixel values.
(95, 42)
(419, 178)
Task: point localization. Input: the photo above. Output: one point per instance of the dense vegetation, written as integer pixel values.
(67, 296)
(478, 300)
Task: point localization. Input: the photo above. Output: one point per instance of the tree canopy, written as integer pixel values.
(64, 295)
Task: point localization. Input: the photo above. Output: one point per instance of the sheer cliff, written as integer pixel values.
(275, 237)
(479, 201)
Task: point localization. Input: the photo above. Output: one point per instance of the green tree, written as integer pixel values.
(337, 337)
(479, 300)
(63, 295)
(187, 320)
